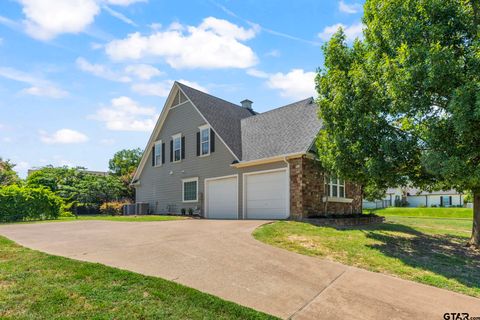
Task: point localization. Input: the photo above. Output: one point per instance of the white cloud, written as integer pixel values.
(100, 70)
(273, 53)
(125, 114)
(143, 71)
(215, 43)
(162, 88)
(124, 2)
(45, 19)
(349, 8)
(296, 84)
(120, 16)
(63, 136)
(351, 32)
(46, 91)
(38, 86)
(159, 89)
(257, 73)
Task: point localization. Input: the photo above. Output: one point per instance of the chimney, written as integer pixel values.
(247, 104)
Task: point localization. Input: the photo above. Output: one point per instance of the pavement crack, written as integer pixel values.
(317, 295)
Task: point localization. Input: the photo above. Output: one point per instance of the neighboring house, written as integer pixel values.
(414, 197)
(226, 161)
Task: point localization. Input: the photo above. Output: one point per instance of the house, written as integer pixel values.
(414, 197)
(226, 161)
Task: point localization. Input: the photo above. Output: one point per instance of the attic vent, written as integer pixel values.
(247, 104)
(179, 98)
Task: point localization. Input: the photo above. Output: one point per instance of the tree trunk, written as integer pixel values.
(475, 240)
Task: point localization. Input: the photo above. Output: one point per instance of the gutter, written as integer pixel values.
(267, 160)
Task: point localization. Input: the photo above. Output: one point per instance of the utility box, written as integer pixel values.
(141, 208)
(129, 209)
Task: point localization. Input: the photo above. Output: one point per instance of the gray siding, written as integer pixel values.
(161, 186)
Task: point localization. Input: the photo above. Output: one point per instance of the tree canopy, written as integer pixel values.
(8, 176)
(125, 162)
(402, 106)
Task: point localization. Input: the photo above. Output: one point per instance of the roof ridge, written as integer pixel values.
(282, 107)
(208, 94)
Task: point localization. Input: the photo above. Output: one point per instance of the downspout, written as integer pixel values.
(289, 183)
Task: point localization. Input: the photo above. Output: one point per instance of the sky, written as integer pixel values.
(82, 79)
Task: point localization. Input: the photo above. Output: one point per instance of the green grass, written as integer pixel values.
(415, 245)
(35, 285)
(463, 213)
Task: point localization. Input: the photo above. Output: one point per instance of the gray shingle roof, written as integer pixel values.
(285, 130)
(251, 136)
(222, 115)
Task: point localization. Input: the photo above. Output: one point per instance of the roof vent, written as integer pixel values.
(247, 104)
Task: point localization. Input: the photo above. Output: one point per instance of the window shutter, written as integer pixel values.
(163, 152)
(441, 201)
(198, 143)
(212, 141)
(153, 156)
(171, 150)
(183, 147)
(450, 199)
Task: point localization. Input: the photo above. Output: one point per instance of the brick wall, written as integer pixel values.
(307, 189)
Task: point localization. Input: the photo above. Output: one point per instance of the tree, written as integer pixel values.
(403, 105)
(124, 162)
(8, 176)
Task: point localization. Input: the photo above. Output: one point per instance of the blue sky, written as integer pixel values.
(82, 79)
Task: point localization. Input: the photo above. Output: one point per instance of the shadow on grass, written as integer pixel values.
(441, 254)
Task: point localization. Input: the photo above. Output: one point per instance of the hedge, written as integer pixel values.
(26, 203)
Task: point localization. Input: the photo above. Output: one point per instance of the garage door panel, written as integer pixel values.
(266, 195)
(221, 199)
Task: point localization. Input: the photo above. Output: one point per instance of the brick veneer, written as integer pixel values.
(307, 189)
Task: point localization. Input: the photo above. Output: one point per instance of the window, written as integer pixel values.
(158, 153)
(190, 190)
(177, 147)
(335, 187)
(204, 141)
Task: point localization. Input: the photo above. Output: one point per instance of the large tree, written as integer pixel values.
(8, 176)
(123, 164)
(403, 104)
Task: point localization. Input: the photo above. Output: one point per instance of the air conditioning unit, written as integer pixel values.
(129, 209)
(141, 208)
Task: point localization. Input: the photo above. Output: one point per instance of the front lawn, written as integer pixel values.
(415, 244)
(35, 285)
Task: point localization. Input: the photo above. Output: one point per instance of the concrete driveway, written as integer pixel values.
(222, 258)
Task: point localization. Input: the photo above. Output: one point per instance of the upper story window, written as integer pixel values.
(177, 147)
(335, 187)
(158, 153)
(204, 140)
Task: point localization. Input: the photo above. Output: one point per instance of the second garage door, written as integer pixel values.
(266, 195)
(221, 198)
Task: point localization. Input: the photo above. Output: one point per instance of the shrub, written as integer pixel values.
(183, 211)
(113, 208)
(190, 211)
(25, 203)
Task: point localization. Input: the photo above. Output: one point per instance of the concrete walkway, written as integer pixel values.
(222, 258)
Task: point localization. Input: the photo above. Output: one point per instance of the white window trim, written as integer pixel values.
(177, 136)
(337, 185)
(183, 190)
(201, 128)
(158, 143)
(337, 199)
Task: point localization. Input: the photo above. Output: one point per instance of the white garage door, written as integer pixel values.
(266, 195)
(221, 198)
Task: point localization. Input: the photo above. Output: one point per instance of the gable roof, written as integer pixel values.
(223, 116)
(282, 131)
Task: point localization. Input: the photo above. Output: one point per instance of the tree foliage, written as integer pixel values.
(26, 203)
(403, 105)
(8, 176)
(124, 162)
